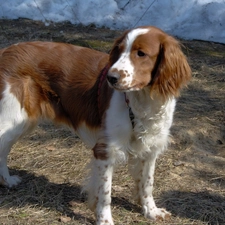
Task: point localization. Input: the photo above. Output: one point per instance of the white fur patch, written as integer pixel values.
(13, 118)
(118, 125)
(87, 135)
(132, 35)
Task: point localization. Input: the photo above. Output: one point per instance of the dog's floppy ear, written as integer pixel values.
(117, 48)
(172, 71)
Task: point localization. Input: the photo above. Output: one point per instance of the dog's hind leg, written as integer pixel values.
(13, 124)
(5, 146)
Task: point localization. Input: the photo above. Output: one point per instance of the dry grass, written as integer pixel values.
(190, 176)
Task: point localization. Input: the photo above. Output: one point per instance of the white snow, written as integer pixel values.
(188, 19)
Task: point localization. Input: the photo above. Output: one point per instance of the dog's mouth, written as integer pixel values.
(123, 88)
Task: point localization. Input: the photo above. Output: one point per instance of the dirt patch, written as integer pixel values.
(190, 176)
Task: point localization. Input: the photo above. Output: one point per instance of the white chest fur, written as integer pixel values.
(153, 119)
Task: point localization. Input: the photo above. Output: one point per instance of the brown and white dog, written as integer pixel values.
(92, 92)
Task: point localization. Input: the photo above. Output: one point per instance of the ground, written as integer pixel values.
(189, 178)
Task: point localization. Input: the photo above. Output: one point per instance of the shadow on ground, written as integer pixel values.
(202, 206)
(38, 191)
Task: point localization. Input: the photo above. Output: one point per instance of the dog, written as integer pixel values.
(120, 104)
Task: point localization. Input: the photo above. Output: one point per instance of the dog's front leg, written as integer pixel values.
(99, 189)
(142, 170)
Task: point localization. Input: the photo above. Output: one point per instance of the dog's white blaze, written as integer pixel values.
(124, 62)
(132, 36)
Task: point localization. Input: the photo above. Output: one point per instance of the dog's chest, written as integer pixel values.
(118, 126)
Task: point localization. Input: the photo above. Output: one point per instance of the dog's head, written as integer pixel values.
(146, 56)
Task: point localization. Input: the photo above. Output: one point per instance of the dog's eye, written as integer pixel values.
(140, 53)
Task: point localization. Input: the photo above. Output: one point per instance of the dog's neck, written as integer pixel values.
(143, 106)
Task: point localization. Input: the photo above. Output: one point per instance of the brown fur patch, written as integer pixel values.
(100, 151)
(56, 81)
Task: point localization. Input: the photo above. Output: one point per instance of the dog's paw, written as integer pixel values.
(157, 214)
(103, 215)
(10, 181)
(104, 221)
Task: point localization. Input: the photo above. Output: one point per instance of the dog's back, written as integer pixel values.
(47, 78)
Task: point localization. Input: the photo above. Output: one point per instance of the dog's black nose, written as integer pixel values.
(112, 79)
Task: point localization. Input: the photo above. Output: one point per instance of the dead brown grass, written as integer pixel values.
(190, 176)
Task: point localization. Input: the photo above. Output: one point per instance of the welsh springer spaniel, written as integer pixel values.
(93, 93)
